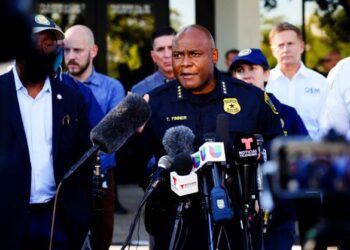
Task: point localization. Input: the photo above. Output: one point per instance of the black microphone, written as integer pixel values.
(223, 133)
(120, 123)
(116, 127)
(246, 153)
(178, 139)
(245, 149)
(183, 164)
(223, 128)
(164, 165)
(183, 181)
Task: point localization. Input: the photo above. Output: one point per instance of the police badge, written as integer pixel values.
(231, 106)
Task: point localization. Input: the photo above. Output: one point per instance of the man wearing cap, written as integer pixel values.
(251, 66)
(44, 131)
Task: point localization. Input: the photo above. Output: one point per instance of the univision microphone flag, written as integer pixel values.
(208, 152)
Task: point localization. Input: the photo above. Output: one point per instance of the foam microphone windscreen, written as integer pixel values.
(120, 123)
(178, 139)
(183, 164)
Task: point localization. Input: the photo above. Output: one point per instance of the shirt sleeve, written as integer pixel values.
(337, 105)
(117, 94)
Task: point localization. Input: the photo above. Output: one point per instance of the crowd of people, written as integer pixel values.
(46, 116)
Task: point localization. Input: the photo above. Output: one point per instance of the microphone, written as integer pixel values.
(223, 133)
(120, 123)
(246, 153)
(116, 127)
(245, 149)
(262, 157)
(183, 181)
(209, 152)
(178, 139)
(164, 165)
(220, 205)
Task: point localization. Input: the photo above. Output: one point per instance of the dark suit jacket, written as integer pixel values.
(70, 141)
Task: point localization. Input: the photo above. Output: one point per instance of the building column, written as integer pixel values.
(236, 26)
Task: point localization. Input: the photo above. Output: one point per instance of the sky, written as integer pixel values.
(284, 7)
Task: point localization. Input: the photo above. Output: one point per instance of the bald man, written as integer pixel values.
(199, 93)
(79, 52)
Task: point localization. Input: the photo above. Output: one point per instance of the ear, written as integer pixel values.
(153, 56)
(274, 53)
(94, 51)
(266, 75)
(302, 46)
(215, 55)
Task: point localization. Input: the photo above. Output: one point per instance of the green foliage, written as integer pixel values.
(324, 32)
(267, 24)
(128, 35)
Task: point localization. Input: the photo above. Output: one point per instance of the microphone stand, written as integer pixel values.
(250, 197)
(148, 192)
(205, 204)
(97, 195)
(175, 236)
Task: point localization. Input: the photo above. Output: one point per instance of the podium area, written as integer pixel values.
(130, 195)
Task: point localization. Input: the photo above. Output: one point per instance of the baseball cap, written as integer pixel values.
(40, 23)
(251, 56)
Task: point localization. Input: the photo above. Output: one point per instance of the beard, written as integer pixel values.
(37, 66)
(82, 68)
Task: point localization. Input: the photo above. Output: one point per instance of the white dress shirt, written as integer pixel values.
(336, 111)
(306, 92)
(36, 116)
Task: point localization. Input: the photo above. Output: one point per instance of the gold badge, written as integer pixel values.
(231, 106)
(269, 102)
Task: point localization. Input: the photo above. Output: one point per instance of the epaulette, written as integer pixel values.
(161, 88)
(270, 103)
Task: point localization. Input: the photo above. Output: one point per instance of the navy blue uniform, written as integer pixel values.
(292, 124)
(172, 105)
(281, 229)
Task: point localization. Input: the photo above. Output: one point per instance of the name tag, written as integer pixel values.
(176, 118)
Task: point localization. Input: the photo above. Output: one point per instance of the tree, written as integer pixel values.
(327, 29)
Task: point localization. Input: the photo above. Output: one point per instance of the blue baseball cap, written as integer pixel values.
(250, 56)
(41, 23)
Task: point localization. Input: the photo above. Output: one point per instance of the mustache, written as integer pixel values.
(72, 62)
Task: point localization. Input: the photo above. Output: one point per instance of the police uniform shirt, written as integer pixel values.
(306, 92)
(335, 113)
(249, 109)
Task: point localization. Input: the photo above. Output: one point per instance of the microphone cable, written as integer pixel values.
(87, 155)
(136, 219)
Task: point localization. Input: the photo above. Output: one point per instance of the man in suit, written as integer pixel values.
(44, 130)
